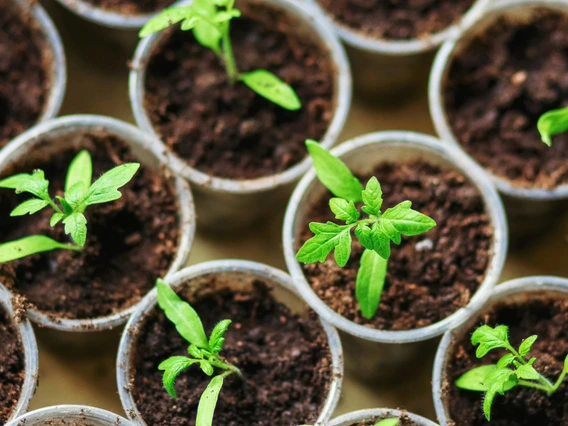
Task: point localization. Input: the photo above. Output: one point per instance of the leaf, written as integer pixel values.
(502, 379)
(216, 339)
(527, 372)
(489, 338)
(334, 174)
(566, 363)
(55, 219)
(187, 322)
(172, 368)
(506, 360)
(488, 402)
(27, 246)
(35, 184)
(388, 422)
(527, 344)
(208, 402)
(343, 248)
(552, 123)
(76, 226)
(207, 368)
(269, 86)
(407, 221)
(344, 210)
(166, 19)
(225, 16)
(67, 209)
(106, 187)
(473, 380)
(364, 235)
(80, 170)
(195, 352)
(190, 23)
(372, 197)
(207, 35)
(74, 195)
(29, 207)
(370, 282)
(327, 237)
(381, 243)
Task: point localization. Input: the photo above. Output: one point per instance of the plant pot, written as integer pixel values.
(214, 278)
(45, 63)
(377, 414)
(390, 67)
(230, 203)
(126, 242)
(29, 351)
(367, 346)
(529, 205)
(509, 295)
(76, 415)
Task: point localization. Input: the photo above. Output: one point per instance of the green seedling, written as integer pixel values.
(552, 123)
(375, 231)
(512, 370)
(202, 351)
(385, 422)
(79, 194)
(210, 21)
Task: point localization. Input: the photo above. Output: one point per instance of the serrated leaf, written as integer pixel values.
(80, 171)
(488, 402)
(75, 194)
(370, 282)
(76, 226)
(500, 378)
(527, 344)
(327, 237)
(344, 210)
(165, 19)
(334, 174)
(267, 85)
(67, 209)
(372, 197)
(187, 322)
(527, 372)
(34, 183)
(473, 380)
(388, 422)
(381, 242)
(552, 123)
(506, 360)
(216, 339)
(29, 207)
(364, 235)
(208, 402)
(489, 338)
(106, 187)
(407, 221)
(27, 246)
(343, 248)
(195, 352)
(172, 368)
(55, 219)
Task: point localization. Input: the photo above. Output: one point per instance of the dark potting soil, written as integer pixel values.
(541, 315)
(228, 130)
(23, 77)
(11, 366)
(132, 7)
(284, 358)
(397, 19)
(130, 242)
(499, 86)
(430, 276)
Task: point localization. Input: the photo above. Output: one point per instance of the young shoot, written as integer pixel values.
(79, 194)
(210, 21)
(375, 230)
(552, 123)
(203, 351)
(513, 369)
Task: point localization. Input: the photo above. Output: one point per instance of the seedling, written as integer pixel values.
(79, 194)
(210, 21)
(501, 377)
(385, 422)
(375, 232)
(553, 123)
(202, 351)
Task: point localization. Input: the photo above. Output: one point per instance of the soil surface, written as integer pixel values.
(404, 421)
(430, 276)
(284, 358)
(23, 77)
(11, 366)
(130, 241)
(497, 89)
(132, 7)
(521, 406)
(228, 130)
(397, 19)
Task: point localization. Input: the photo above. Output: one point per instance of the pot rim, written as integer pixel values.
(438, 73)
(275, 276)
(374, 414)
(311, 16)
(70, 412)
(421, 143)
(502, 291)
(133, 137)
(30, 352)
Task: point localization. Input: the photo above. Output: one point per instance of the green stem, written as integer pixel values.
(559, 382)
(216, 362)
(229, 57)
(545, 382)
(53, 205)
(74, 248)
(534, 386)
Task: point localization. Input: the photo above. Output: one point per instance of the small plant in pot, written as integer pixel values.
(380, 417)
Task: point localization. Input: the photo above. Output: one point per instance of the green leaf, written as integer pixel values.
(473, 380)
(166, 19)
(67, 209)
(29, 207)
(106, 187)
(76, 226)
(527, 372)
(216, 339)
(74, 195)
(55, 219)
(35, 184)
(364, 235)
(344, 210)
(388, 422)
(488, 402)
(208, 402)
(527, 344)
(195, 352)
(187, 322)
(225, 16)
(552, 123)
(501, 379)
(27, 246)
(328, 237)
(207, 368)
(566, 363)
(343, 248)
(372, 197)
(207, 35)
(381, 243)
(370, 282)
(489, 338)
(172, 368)
(80, 170)
(334, 174)
(407, 221)
(506, 360)
(190, 23)
(269, 86)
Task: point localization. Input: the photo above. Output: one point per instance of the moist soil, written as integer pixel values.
(285, 361)
(541, 315)
(11, 366)
(397, 19)
(23, 76)
(228, 130)
(132, 7)
(499, 86)
(430, 276)
(130, 241)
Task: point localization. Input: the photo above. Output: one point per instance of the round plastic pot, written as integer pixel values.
(376, 415)
(65, 415)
